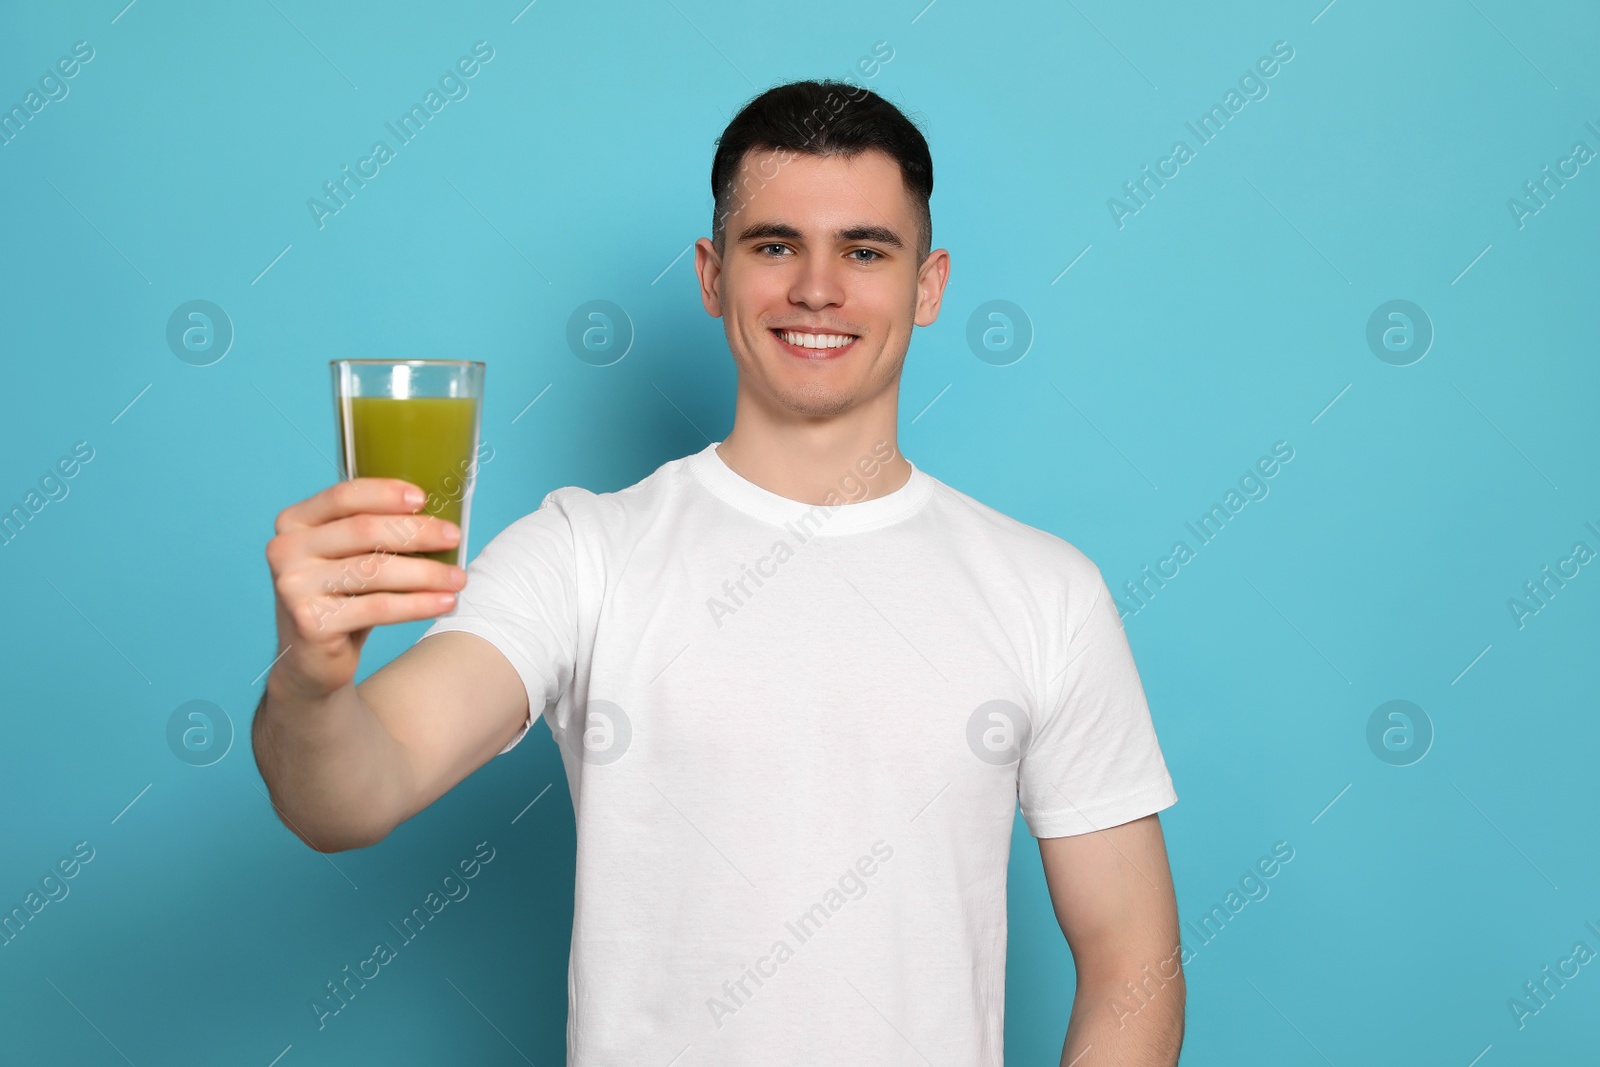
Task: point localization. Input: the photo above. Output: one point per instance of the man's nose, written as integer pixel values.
(818, 284)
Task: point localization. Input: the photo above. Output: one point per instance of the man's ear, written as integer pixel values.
(931, 279)
(708, 266)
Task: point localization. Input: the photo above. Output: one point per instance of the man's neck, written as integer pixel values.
(853, 457)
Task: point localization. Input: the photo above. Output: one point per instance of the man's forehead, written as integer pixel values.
(832, 192)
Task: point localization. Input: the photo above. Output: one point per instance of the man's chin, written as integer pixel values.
(818, 406)
(813, 403)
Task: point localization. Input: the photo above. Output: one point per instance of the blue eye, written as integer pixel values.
(766, 247)
(868, 251)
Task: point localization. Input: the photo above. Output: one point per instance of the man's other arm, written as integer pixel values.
(1113, 896)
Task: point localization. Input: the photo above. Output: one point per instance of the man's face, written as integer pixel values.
(817, 283)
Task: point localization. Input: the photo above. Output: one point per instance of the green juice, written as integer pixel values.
(428, 441)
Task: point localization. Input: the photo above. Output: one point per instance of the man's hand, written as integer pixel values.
(1113, 896)
(337, 574)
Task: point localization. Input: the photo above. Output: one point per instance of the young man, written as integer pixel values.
(799, 684)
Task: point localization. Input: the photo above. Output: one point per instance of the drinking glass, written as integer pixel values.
(417, 420)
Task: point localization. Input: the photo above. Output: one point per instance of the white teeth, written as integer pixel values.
(816, 340)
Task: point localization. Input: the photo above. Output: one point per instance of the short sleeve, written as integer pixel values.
(521, 597)
(1093, 760)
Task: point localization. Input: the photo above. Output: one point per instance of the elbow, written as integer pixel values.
(331, 841)
(329, 836)
(1145, 977)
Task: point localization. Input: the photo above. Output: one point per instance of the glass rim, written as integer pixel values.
(411, 362)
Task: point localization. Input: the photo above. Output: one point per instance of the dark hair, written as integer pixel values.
(822, 118)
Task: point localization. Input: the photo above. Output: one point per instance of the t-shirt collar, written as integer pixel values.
(850, 517)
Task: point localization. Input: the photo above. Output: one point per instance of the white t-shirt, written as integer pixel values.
(796, 738)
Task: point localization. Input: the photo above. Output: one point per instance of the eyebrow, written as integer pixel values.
(783, 231)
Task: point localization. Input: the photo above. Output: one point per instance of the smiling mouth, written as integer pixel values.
(815, 346)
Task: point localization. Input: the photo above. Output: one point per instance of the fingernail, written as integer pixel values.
(414, 497)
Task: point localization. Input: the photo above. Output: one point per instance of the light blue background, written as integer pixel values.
(1228, 314)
